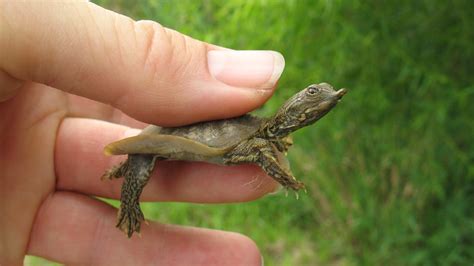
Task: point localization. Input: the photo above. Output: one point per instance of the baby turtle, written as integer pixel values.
(247, 139)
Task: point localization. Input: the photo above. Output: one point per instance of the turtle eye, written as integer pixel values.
(313, 90)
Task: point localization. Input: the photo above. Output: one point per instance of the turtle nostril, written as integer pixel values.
(341, 93)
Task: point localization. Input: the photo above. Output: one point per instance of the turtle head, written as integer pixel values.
(303, 109)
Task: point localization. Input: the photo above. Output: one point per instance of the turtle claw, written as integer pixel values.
(114, 172)
(129, 220)
(107, 176)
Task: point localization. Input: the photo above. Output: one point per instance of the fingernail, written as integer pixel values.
(249, 69)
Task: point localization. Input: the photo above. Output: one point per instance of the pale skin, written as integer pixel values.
(75, 77)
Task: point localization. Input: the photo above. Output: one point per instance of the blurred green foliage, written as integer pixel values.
(390, 171)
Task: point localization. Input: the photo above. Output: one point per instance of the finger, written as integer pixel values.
(79, 106)
(74, 229)
(8, 85)
(80, 162)
(153, 74)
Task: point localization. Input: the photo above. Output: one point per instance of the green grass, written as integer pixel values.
(390, 172)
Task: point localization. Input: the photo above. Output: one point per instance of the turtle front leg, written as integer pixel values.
(137, 174)
(284, 144)
(264, 154)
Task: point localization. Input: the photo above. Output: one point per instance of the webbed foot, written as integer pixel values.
(129, 218)
(287, 180)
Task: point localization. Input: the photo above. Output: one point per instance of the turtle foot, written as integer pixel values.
(129, 219)
(116, 171)
(295, 185)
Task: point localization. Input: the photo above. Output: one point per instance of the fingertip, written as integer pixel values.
(248, 247)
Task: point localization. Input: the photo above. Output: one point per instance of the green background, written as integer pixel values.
(390, 171)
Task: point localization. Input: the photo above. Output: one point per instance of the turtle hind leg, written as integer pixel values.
(130, 216)
(116, 171)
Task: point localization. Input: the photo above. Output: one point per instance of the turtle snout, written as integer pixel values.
(340, 93)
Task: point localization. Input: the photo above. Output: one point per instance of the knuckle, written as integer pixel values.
(168, 53)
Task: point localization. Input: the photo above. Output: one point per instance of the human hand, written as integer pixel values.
(74, 77)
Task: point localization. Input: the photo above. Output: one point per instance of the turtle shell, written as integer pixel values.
(204, 141)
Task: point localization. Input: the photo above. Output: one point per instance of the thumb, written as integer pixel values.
(152, 73)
